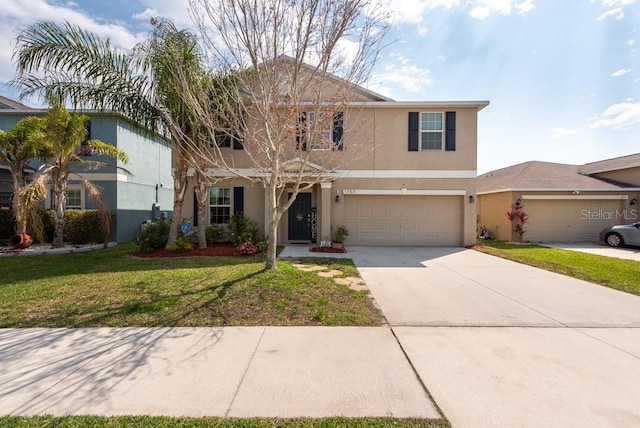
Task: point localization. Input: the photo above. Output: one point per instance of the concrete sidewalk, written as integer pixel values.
(234, 371)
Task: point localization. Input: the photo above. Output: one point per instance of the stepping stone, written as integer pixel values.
(357, 287)
(330, 274)
(342, 281)
(312, 268)
(354, 280)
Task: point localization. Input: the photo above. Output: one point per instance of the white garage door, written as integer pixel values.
(569, 220)
(404, 220)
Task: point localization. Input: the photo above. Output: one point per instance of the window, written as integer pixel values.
(84, 149)
(319, 131)
(431, 131)
(5, 199)
(223, 140)
(74, 199)
(219, 205)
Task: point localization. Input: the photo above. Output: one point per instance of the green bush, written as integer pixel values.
(6, 224)
(242, 229)
(182, 244)
(153, 236)
(216, 233)
(80, 226)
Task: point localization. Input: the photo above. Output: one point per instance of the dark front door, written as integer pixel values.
(300, 218)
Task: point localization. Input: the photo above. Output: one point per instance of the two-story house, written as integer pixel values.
(410, 179)
(140, 193)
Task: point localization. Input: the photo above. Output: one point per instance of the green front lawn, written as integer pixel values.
(111, 288)
(611, 272)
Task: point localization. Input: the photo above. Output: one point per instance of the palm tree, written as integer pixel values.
(64, 134)
(77, 66)
(21, 144)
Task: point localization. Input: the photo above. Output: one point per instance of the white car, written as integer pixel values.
(625, 234)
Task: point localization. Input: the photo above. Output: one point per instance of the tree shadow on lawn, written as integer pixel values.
(166, 310)
(112, 260)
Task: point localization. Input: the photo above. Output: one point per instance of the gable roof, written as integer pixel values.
(540, 176)
(9, 104)
(614, 164)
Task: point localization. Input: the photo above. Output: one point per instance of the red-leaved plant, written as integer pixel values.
(247, 248)
(518, 218)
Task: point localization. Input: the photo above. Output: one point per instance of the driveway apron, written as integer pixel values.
(498, 343)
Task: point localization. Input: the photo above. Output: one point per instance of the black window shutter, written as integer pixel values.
(238, 200)
(237, 143)
(414, 131)
(300, 132)
(450, 135)
(338, 130)
(195, 209)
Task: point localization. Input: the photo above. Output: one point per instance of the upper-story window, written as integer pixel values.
(320, 130)
(431, 131)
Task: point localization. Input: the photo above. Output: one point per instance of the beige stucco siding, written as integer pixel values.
(377, 139)
(492, 209)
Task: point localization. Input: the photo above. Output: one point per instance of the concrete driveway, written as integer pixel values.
(630, 253)
(499, 343)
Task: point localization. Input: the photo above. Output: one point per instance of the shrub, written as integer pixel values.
(153, 236)
(242, 229)
(6, 224)
(216, 233)
(182, 244)
(247, 249)
(340, 234)
(80, 226)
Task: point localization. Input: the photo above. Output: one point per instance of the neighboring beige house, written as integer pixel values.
(413, 185)
(565, 203)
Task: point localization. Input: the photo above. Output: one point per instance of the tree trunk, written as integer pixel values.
(272, 239)
(202, 193)
(180, 188)
(59, 197)
(17, 206)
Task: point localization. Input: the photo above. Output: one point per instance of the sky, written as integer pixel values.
(562, 76)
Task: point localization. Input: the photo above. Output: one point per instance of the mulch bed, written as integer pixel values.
(216, 250)
(327, 250)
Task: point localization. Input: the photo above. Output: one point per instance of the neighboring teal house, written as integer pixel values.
(142, 193)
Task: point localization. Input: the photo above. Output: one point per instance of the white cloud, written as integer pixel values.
(616, 3)
(618, 116)
(616, 13)
(412, 11)
(14, 16)
(484, 8)
(560, 132)
(621, 72)
(631, 42)
(407, 77)
(176, 10)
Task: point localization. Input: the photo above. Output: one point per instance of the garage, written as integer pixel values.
(574, 220)
(404, 220)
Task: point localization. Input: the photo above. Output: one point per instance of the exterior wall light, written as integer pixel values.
(633, 202)
(337, 198)
(472, 199)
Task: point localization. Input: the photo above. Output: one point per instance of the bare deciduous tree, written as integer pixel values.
(284, 74)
